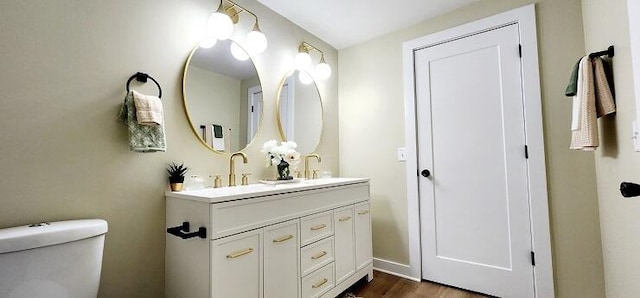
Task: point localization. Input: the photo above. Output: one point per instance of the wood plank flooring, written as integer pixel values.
(389, 286)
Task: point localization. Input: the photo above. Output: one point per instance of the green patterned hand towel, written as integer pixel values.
(142, 138)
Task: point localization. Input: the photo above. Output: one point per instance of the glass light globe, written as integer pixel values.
(305, 78)
(323, 71)
(208, 42)
(238, 53)
(302, 61)
(220, 26)
(255, 42)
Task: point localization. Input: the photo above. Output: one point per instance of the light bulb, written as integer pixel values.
(323, 71)
(238, 53)
(255, 42)
(208, 42)
(220, 26)
(305, 78)
(302, 60)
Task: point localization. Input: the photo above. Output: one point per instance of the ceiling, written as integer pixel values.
(218, 59)
(344, 23)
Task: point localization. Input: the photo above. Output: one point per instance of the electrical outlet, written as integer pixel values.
(402, 153)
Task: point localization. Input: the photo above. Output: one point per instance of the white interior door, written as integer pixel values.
(474, 205)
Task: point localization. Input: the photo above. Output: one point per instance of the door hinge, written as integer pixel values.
(526, 151)
(533, 258)
(520, 50)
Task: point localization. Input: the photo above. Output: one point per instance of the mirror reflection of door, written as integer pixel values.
(287, 107)
(300, 112)
(254, 111)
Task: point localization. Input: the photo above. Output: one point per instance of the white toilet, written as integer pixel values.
(53, 260)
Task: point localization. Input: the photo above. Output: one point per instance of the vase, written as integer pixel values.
(176, 186)
(283, 171)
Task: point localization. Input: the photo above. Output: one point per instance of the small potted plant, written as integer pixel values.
(176, 175)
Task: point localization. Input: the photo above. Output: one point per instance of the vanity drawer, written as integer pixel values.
(316, 255)
(315, 227)
(319, 282)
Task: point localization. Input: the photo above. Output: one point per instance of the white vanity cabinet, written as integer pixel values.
(305, 240)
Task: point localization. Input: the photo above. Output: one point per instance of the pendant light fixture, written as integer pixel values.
(302, 61)
(221, 24)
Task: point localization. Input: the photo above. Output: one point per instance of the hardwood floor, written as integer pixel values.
(390, 286)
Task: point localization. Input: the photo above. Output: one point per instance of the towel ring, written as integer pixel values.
(142, 77)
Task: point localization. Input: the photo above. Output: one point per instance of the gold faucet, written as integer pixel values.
(232, 171)
(306, 164)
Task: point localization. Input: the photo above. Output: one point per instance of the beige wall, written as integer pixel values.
(372, 127)
(215, 99)
(606, 23)
(63, 154)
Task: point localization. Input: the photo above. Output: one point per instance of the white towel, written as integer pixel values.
(575, 113)
(148, 109)
(217, 140)
(595, 100)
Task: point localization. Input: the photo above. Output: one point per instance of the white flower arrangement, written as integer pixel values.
(275, 153)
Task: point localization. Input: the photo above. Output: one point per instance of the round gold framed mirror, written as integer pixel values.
(222, 96)
(300, 111)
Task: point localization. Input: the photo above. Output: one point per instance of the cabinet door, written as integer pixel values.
(236, 266)
(281, 261)
(345, 243)
(364, 254)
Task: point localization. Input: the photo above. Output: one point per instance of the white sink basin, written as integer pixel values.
(223, 194)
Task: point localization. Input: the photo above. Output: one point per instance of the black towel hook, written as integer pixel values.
(142, 77)
(609, 52)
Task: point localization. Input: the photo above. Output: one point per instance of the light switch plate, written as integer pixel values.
(636, 137)
(402, 154)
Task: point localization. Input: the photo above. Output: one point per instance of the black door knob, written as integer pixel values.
(425, 173)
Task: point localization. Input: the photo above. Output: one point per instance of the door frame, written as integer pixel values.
(524, 17)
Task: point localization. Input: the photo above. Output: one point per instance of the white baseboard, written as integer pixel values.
(393, 268)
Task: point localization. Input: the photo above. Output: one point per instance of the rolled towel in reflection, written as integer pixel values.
(217, 137)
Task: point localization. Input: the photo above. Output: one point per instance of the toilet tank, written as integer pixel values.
(53, 260)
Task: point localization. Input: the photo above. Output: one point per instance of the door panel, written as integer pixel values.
(238, 269)
(475, 205)
(362, 224)
(281, 262)
(345, 243)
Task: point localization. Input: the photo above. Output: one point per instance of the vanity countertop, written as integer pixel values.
(223, 194)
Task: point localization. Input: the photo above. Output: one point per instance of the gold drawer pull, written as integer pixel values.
(319, 284)
(240, 253)
(344, 218)
(318, 227)
(282, 239)
(320, 255)
(363, 212)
